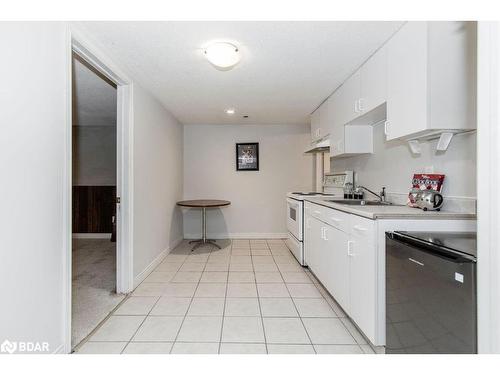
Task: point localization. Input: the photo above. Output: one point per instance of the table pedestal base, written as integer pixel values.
(203, 241)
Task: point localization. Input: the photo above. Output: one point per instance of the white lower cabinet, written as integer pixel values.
(343, 258)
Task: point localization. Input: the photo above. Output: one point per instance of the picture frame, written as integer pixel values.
(247, 156)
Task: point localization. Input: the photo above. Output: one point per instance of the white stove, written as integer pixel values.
(333, 186)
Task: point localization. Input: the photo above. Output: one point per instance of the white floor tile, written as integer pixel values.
(216, 267)
(242, 330)
(232, 348)
(136, 306)
(262, 259)
(102, 348)
(290, 349)
(327, 331)
(296, 278)
(118, 328)
(272, 290)
(159, 328)
(285, 331)
(242, 307)
(179, 289)
(175, 258)
(241, 290)
(149, 289)
(303, 291)
(171, 306)
(211, 290)
(261, 252)
(200, 329)
(241, 259)
(314, 308)
(186, 277)
(238, 267)
(285, 259)
(338, 349)
(195, 348)
(148, 348)
(290, 267)
(268, 277)
(278, 307)
(213, 277)
(265, 267)
(168, 267)
(159, 277)
(206, 307)
(241, 252)
(192, 267)
(241, 277)
(197, 258)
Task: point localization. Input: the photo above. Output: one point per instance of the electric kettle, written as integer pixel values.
(429, 200)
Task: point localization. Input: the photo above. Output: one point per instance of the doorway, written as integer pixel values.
(94, 167)
(103, 266)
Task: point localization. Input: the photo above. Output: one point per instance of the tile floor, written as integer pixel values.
(250, 297)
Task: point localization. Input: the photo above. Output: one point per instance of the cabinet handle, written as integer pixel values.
(349, 248)
(317, 212)
(324, 234)
(386, 128)
(360, 105)
(356, 106)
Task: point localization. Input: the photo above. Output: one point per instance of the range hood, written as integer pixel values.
(321, 146)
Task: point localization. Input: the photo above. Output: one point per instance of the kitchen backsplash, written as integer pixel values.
(392, 165)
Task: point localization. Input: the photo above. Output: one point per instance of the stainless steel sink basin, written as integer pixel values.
(358, 202)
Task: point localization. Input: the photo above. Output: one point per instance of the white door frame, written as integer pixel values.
(488, 180)
(80, 44)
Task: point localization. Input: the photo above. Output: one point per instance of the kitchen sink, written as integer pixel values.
(359, 202)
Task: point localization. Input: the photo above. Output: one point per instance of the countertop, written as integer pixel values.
(393, 212)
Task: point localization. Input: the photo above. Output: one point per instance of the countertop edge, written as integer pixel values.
(421, 215)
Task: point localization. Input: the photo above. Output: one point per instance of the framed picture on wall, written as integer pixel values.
(247, 156)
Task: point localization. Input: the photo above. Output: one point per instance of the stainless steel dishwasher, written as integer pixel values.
(431, 292)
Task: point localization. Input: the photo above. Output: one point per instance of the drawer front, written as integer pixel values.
(314, 210)
(337, 219)
(361, 227)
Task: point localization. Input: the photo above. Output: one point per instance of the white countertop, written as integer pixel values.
(392, 211)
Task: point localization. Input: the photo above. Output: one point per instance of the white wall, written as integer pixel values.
(32, 162)
(158, 175)
(392, 165)
(94, 155)
(257, 198)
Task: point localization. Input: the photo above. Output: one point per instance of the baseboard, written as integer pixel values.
(145, 273)
(105, 236)
(223, 236)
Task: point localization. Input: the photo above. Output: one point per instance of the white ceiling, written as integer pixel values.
(94, 98)
(287, 68)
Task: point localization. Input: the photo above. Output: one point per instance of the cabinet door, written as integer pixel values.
(362, 277)
(349, 94)
(315, 125)
(407, 81)
(374, 81)
(336, 125)
(336, 265)
(312, 243)
(324, 119)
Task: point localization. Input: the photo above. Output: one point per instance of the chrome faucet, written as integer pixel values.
(380, 196)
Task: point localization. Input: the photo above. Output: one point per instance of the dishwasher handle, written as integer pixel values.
(433, 249)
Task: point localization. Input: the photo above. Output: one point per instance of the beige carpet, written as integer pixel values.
(94, 285)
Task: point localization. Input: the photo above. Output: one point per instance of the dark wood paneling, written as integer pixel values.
(93, 209)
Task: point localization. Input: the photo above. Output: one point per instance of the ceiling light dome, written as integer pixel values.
(223, 55)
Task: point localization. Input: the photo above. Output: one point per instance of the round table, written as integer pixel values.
(204, 204)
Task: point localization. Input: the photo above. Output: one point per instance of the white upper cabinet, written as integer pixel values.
(320, 127)
(347, 100)
(373, 82)
(431, 79)
(315, 125)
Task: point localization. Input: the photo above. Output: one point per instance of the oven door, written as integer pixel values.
(294, 217)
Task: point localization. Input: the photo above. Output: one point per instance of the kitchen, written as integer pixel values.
(269, 201)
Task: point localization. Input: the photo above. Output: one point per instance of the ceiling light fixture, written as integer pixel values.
(230, 111)
(222, 55)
